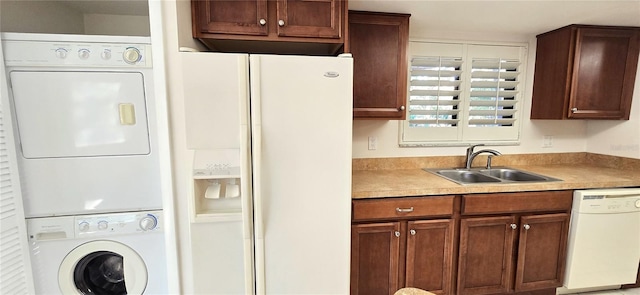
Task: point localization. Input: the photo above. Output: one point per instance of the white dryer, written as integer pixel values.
(120, 253)
(85, 118)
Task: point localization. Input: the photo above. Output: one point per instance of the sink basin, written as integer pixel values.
(464, 176)
(498, 175)
(513, 175)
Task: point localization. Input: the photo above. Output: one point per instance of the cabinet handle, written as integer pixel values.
(401, 108)
(412, 232)
(404, 210)
(397, 233)
(527, 227)
(263, 21)
(281, 23)
(574, 110)
(514, 226)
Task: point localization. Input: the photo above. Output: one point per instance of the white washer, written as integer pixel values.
(119, 253)
(85, 118)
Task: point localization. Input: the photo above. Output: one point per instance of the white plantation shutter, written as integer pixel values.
(15, 266)
(463, 93)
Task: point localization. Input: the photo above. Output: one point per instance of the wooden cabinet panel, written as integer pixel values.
(517, 202)
(230, 17)
(542, 251)
(309, 18)
(375, 251)
(585, 72)
(430, 255)
(486, 247)
(316, 27)
(394, 208)
(378, 43)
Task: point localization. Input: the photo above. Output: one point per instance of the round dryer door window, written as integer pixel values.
(102, 268)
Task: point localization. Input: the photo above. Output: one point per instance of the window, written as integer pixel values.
(463, 93)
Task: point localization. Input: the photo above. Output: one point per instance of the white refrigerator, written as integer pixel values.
(271, 139)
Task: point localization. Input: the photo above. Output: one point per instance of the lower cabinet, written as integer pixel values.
(512, 253)
(469, 245)
(387, 256)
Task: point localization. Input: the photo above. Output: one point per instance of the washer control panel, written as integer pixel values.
(96, 225)
(49, 53)
(117, 223)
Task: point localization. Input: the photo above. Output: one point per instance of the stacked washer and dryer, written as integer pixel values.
(87, 140)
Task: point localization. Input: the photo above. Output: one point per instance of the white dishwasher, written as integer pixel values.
(603, 249)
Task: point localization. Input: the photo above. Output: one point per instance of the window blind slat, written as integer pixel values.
(502, 103)
(436, 73)
(494, 113)
(494, 75)
(490, 93)
(434, 112)
(436, 102)
(435, 92)
(443, 123)
(435, 83)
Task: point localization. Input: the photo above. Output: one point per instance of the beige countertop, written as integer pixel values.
(400, 177)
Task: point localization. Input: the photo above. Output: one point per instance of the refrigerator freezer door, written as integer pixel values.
(302, 108)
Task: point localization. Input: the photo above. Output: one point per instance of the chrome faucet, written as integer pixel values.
(472, 155)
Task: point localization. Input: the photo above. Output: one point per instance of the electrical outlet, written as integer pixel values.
(547, 141)
(373, 143)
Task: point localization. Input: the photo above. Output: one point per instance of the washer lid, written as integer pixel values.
(80, 114)
(102, 267)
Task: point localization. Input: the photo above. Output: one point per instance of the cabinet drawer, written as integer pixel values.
(517, 202)
(402, 208)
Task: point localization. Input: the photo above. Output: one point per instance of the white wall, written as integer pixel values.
(618, 138)
(568, 136)
(118, 25)
(39, 17)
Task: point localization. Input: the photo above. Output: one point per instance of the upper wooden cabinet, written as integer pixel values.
(585, 72)
(308, 26)
(378, 43)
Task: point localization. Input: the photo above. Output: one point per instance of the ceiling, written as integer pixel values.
(513, 17)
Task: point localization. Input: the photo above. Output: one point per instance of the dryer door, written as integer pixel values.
(103, 268)
(80, 114)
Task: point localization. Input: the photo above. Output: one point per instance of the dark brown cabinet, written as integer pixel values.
(378, 43)
(312, 26)
(518, 252)
(406, 250)
(585, 72)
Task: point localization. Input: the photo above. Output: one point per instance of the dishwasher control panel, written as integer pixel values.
(607, 201)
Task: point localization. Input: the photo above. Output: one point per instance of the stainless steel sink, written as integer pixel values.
(497, 175)
(464, 176)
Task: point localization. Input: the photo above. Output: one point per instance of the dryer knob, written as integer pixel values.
(131, 55)
(102, 225)
(148, 222)
(638, 203)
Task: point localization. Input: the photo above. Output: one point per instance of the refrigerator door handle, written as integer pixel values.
(245, 174)
(256, 152)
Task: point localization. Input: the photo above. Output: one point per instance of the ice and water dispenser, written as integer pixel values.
(217, 183)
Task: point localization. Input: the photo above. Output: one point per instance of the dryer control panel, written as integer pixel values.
(76, 54)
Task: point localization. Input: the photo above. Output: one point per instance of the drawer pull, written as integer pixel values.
(527, 227)
(412, 232)
(514, 226)
(404, 210)
(397, 234)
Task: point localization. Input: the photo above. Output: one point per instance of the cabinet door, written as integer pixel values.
(240, 17)
(310, 18)
(486, 248)
(430, 255)
(378, 43)
(541, 251)
(604, 72)
(374, 258)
